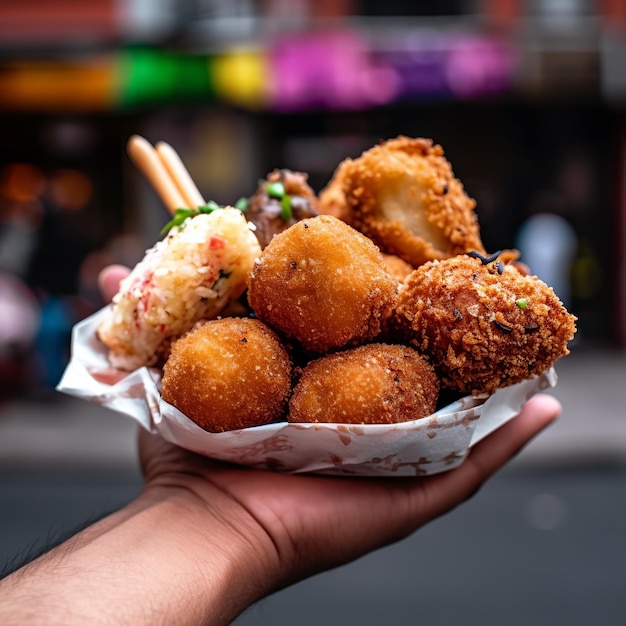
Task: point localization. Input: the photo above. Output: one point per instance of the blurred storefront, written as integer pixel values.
(527, 97)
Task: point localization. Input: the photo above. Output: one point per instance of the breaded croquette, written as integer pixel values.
(323, 284)
(482, 324)
(371, 384)
(403, 194)
(227, 374)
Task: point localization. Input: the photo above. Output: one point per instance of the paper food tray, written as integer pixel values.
(433, 444)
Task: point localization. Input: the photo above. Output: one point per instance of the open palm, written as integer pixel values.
(311, 523)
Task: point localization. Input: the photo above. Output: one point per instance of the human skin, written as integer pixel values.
(204, 540)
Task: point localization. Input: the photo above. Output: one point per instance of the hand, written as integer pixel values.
(205, 540)
(300, 525)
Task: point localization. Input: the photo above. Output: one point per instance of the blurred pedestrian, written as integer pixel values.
(19, 321)
(548, 244)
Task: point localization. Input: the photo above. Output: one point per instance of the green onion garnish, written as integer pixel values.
(522, 303)
(242, 204)
(275, 190)
(180, 215)
(209, 207)
(285, 208)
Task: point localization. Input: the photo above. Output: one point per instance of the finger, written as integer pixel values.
(505, 443)
(445, 491)
(109, 280)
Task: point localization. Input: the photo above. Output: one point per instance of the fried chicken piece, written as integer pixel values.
(481, 323)
(323, 284)
(281, 200)
(332, 199)
(371, 384)
(227, 374)
(403, 194)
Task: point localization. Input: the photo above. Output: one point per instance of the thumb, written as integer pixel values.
(109, 280)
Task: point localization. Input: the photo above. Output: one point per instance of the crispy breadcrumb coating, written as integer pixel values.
(482, 324)
(403, 194)
(323, 284)
(371, 384)
(332, 199)
(227, 374)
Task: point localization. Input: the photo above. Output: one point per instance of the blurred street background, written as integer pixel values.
(528, 100)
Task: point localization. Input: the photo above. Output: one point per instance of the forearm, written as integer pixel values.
(161, 560)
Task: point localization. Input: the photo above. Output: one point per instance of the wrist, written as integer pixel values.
(170, 556)
(218, 551)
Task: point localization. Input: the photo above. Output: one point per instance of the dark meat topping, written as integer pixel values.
(281, 200)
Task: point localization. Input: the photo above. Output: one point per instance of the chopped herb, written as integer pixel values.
(522, 303)
(242, 204)
(285, 208)
(275, 190)
(180, 215)
(209, 207)
(221, 277)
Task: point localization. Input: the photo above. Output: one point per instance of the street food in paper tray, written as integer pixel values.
(286, 333)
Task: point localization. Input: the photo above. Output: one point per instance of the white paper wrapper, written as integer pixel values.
(429, 445)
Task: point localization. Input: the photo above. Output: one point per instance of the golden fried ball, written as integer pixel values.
(323, 284)
(227, 374)
(370, 384)
(481, 323)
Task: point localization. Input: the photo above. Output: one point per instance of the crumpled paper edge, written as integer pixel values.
(430, 445)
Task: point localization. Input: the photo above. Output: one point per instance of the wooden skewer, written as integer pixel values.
(146, 158)
(179, 174)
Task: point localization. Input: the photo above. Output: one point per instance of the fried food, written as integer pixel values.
(227, 374)
(403, 194)
(332, 199)
(370, 384)
(323, 284)
(379, 302)
(482, 324)
(398, 267)
(281, 200)
(193, 274)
